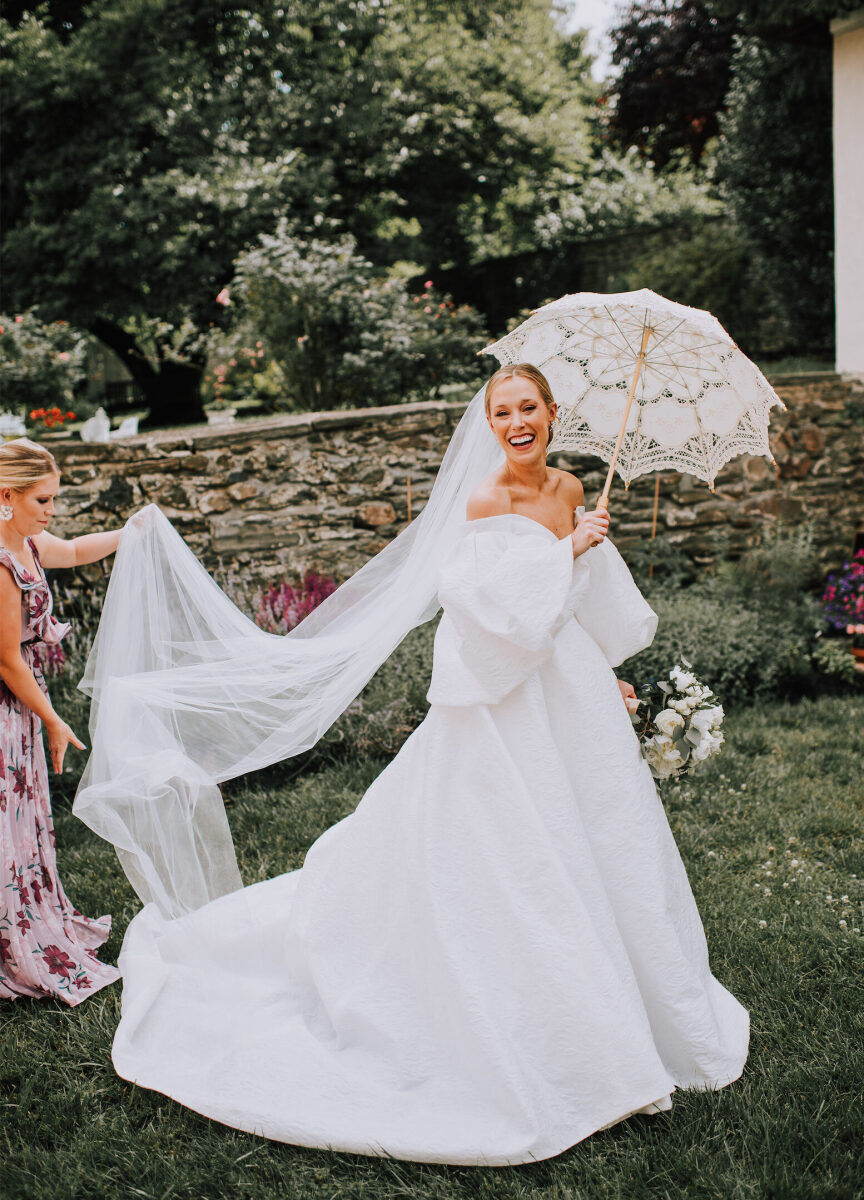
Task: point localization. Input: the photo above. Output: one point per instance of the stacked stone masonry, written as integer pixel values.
(325, 491)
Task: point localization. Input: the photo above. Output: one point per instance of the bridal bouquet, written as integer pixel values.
(680, 726)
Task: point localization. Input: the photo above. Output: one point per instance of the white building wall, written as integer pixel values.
(849, 190)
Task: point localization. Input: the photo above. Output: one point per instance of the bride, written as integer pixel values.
(498, 953)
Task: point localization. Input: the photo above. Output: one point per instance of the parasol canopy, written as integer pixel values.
(645, 383)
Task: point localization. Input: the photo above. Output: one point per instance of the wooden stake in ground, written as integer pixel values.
(654, 523)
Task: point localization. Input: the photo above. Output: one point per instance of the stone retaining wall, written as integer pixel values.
(325, 491)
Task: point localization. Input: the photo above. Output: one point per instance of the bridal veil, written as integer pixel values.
(187, 691)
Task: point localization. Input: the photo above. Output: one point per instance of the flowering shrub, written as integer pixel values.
(343, 335)
(50, 416)
(42, 363)
(282, 606)
(843, 597)
(239, 368)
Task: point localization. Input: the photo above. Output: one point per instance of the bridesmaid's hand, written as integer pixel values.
(59, 737)
(628, 693)
(591, 530)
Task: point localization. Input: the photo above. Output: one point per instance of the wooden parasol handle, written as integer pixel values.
(603, 502)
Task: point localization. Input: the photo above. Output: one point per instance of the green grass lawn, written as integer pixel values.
(772, 831)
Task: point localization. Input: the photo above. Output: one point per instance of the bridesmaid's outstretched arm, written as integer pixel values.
(75, 552)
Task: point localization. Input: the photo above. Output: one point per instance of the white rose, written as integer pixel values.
(666, 721)
(702, 720)
(657, 761)
(682, 679)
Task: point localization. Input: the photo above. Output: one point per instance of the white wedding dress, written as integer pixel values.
(498, 953)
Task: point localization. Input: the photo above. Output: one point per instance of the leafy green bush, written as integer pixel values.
(710, 266)
(344, 336)
(752, 629)
(734, 647)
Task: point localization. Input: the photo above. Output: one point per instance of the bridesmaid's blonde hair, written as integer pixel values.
(23, 463)
(520, 371)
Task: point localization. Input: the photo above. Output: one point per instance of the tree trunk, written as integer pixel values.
(173, 393)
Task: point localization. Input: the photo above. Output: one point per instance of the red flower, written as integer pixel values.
(19, 779)
(22, 922)
(58, 961)
(23, 896)
(5, 956)
(37, 889)
(81, 981)
(46, 880)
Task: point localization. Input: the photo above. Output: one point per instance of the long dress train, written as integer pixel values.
(498, 953)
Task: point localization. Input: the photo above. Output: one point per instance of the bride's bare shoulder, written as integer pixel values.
(489, 499)
(570, 487)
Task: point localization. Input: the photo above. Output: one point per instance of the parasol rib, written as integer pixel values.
(603, 502)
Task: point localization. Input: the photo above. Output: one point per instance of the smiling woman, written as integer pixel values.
(47, 948)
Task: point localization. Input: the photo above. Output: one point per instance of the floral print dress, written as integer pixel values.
(47, 948)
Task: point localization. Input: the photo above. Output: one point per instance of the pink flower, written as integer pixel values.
(63, 356)
(224, 298)
(18, 320)
(427, 285)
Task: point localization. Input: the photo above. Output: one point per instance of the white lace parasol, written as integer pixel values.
(645, 383)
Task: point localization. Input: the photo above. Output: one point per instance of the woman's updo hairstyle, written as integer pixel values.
(23, 464)
(521, 371)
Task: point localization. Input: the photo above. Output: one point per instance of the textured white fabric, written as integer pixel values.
(498, 953)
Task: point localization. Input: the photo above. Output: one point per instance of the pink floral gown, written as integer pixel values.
(47, 948)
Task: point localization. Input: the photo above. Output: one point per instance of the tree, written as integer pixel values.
(775, 159)
(136, 161)
(148, 142)
(674, 74)
(775, 168)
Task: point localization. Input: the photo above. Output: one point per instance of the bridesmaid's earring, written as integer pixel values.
(549, 439)
(5, 512)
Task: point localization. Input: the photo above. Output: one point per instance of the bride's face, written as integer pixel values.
(520, 419)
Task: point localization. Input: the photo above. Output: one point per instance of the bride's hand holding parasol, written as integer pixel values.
(590, 530)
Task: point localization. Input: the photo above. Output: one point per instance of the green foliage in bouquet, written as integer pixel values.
(679, 721)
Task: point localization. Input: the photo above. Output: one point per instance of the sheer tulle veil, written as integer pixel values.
(187, 691)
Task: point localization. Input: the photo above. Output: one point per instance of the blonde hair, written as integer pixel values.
(23, 464)
(520, 371)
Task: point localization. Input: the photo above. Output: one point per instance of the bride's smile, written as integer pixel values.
(521, 420)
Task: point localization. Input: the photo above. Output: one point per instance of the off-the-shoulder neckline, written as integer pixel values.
(518, 517)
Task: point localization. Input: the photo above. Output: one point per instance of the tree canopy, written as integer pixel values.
(674, 73)
(149, 142)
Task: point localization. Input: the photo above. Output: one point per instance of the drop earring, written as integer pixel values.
(5, 512)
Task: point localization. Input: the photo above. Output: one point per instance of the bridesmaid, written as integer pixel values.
(47, 948)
